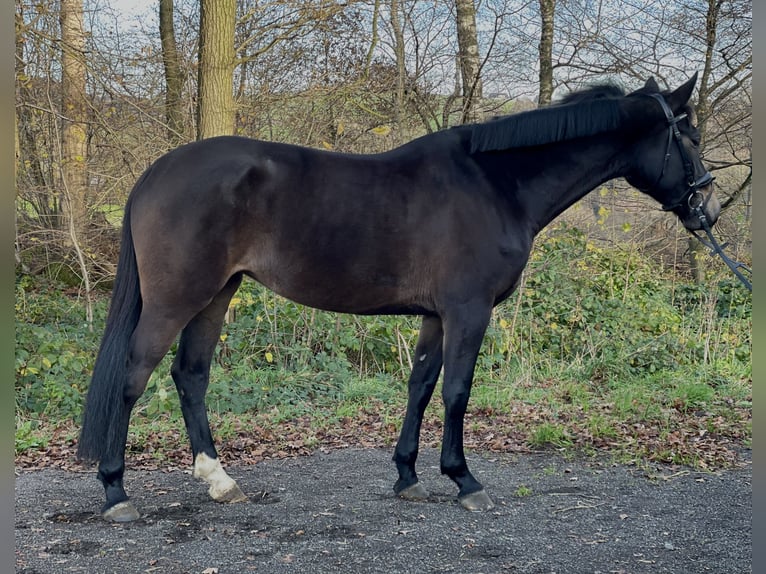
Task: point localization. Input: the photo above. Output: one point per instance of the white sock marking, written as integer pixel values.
(211, 471)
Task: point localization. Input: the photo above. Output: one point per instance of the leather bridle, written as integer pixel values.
(692, 196)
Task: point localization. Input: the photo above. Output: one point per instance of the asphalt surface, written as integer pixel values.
(336, 512)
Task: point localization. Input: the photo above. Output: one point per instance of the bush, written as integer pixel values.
(603, 315)
(584, 303)
(55, 350)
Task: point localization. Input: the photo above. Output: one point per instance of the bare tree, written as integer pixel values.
(30, 169)
(74, 147)
(215, 101)
(469, 59)
(174, 78)
(547, 11)
(373, 37)
(340, 75)
(74, 114)
(724, 71)
(401, 68)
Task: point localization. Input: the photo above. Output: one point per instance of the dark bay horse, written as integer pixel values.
(440, 227)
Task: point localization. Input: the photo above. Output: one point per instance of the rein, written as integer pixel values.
(714, 247)
(693, 197)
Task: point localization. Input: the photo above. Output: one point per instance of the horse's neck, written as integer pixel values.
(565, 174)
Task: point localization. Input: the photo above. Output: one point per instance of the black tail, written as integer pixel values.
(105, 406)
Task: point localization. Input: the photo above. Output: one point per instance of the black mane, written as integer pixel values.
(586, 112)
(595, 92)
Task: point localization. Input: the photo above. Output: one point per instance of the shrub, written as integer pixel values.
(585, 313)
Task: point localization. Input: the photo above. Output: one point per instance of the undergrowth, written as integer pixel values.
(596, 346)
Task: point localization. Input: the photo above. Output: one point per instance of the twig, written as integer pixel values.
(579, 506)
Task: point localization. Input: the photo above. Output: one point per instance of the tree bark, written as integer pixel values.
(28, 156)
(174, 80)
(401, 70)
(215, 98)
(74, 114)
(373, 38)
(702, 111)
(547, 11)
(470, 63)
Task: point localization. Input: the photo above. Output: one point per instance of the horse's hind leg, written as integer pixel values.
(425, 372)
(150, 341)
(191, 373)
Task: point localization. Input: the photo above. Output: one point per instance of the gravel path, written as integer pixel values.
(335, 512)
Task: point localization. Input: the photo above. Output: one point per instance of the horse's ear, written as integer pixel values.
(681, 95)
(651, 85)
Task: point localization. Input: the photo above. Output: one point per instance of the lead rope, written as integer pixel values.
(714, 247)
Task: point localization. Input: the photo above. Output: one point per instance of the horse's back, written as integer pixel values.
(351, 233)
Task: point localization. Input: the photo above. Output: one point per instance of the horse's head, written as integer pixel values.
(667, 164)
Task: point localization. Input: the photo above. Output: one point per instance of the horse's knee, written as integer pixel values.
(455, 400)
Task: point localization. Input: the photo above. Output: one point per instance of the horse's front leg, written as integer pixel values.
(464, 331)
(191, 374)
(425, 372)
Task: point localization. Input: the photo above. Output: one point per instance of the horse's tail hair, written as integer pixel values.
(101, 434)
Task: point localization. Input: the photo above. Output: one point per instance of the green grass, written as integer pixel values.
(602, 426)
(523, 491)
(30, 435)
(549, 434)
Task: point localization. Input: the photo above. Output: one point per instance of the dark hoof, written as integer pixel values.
(121, 512)
(477, 501)
(416, 492)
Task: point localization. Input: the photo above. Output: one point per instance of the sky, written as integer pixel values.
(130, 10)
(130, 7)
(127, 15)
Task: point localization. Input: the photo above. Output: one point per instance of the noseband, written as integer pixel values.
(692, 196)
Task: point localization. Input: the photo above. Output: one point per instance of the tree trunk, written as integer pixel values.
(20, 77)
(215, 99)
(401, 70)
(702, 111)
(73, 112)
(547, 10)
(74, 143)
(28, 156)
(16, 162)
(174, 80)
(470, 63)
(373, 39)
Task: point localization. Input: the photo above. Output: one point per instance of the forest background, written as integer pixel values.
(625, 336)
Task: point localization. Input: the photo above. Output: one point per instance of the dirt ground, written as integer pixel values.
(336, 512)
